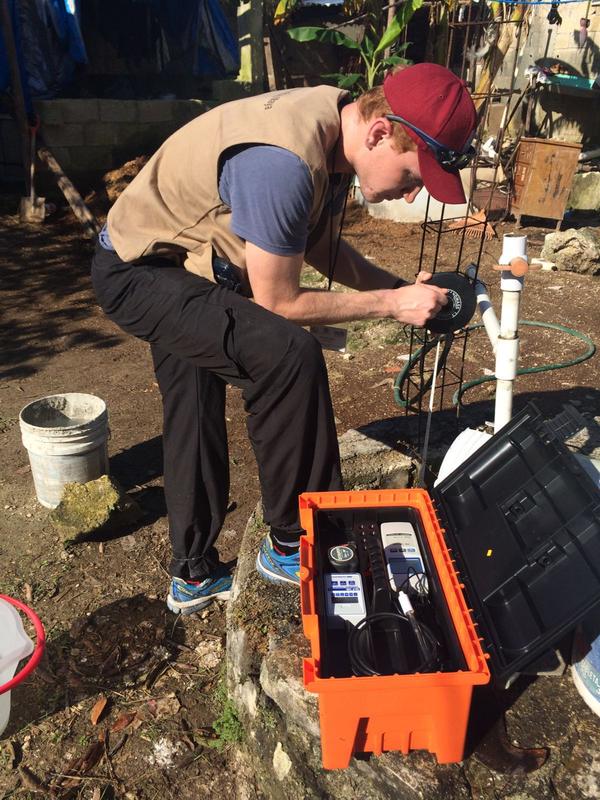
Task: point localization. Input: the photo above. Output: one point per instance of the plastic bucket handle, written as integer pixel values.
(38, 651)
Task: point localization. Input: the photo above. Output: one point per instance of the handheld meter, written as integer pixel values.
(403, 556)
(344, 599)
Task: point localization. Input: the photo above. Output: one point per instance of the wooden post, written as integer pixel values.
(17, 88)
(271, 79)
(391, 13)
(74, 199)
(257, 25)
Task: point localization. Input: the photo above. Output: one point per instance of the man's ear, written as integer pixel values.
(379, 130)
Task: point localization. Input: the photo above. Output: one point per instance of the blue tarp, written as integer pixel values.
(201, 25)
(50, 44)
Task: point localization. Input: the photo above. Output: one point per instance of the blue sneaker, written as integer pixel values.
(187, 598)
(275, 567)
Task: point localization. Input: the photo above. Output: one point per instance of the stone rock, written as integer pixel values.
(574, 250)
(585, 192)
(372, 457)
(282, 763)
(86, 508)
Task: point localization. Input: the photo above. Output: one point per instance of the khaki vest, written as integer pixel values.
(173, 204)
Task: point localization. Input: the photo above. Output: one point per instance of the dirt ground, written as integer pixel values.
(166, 729)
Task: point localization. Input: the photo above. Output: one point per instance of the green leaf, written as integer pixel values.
(397, 25)
(368, 45)
(311, 34)
(406, 11)
(392, 32)
(349, 80)
(393, 61)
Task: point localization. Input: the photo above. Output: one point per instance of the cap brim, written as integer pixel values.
(444, 186)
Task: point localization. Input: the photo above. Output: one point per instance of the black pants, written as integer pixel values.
(202, 337)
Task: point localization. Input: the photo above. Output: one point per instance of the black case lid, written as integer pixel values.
(522, 518)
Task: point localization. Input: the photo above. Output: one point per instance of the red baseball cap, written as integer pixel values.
(433, 99)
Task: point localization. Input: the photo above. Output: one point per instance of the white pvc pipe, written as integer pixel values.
(509, 316)
(507, 348)
(513, 246)
(503, 410)
(486, 310)
(488, 315)
(507, 357)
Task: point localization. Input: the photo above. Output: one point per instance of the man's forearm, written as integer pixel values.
(354, 270)
(317, 306)
(274, 281)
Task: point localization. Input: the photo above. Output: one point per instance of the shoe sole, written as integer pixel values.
(192, 606)
(271, 576)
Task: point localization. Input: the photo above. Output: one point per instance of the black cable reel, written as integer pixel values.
(454, 316)
(459, 310)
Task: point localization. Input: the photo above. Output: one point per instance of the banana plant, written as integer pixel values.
(371, 49)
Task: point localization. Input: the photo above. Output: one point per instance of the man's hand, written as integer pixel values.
(416, 303)
(423, 276)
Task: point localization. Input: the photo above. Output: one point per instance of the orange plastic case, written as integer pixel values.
(422, 711)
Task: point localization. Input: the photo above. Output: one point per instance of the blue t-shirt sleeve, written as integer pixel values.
(270, 193)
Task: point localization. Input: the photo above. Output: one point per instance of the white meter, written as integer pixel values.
(344, 599)
(403, 556)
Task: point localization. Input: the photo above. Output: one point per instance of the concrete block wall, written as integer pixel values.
(570, 118)
(91, 135)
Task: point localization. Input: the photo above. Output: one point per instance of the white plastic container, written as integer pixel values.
(65, 436)
(586, 668)
(586, 644)
(14, 645)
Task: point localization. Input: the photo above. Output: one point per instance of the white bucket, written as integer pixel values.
(65, 436)
(14, 645)
(586, 643)
(586, 668)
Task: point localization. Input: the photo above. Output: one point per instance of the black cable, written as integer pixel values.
(401, 394)
(420, 585)
(358, 651)
(334, 247)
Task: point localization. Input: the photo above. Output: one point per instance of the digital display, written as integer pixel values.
(404, 564)
(336, 598)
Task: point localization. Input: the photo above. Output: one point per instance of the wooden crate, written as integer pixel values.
(543, 175)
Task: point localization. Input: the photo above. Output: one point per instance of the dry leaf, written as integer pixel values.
(28, 593)
(31, 781)
(123, 721)
(14, 753)
(166, 707)
(384, 382)
(97, 710)
(206, 733)
(92, 755)
(151, 705)
(97, 793)
(118, 745)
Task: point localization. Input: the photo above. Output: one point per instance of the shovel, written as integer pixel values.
(32, 208)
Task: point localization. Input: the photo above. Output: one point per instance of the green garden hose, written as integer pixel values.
(403, 401)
